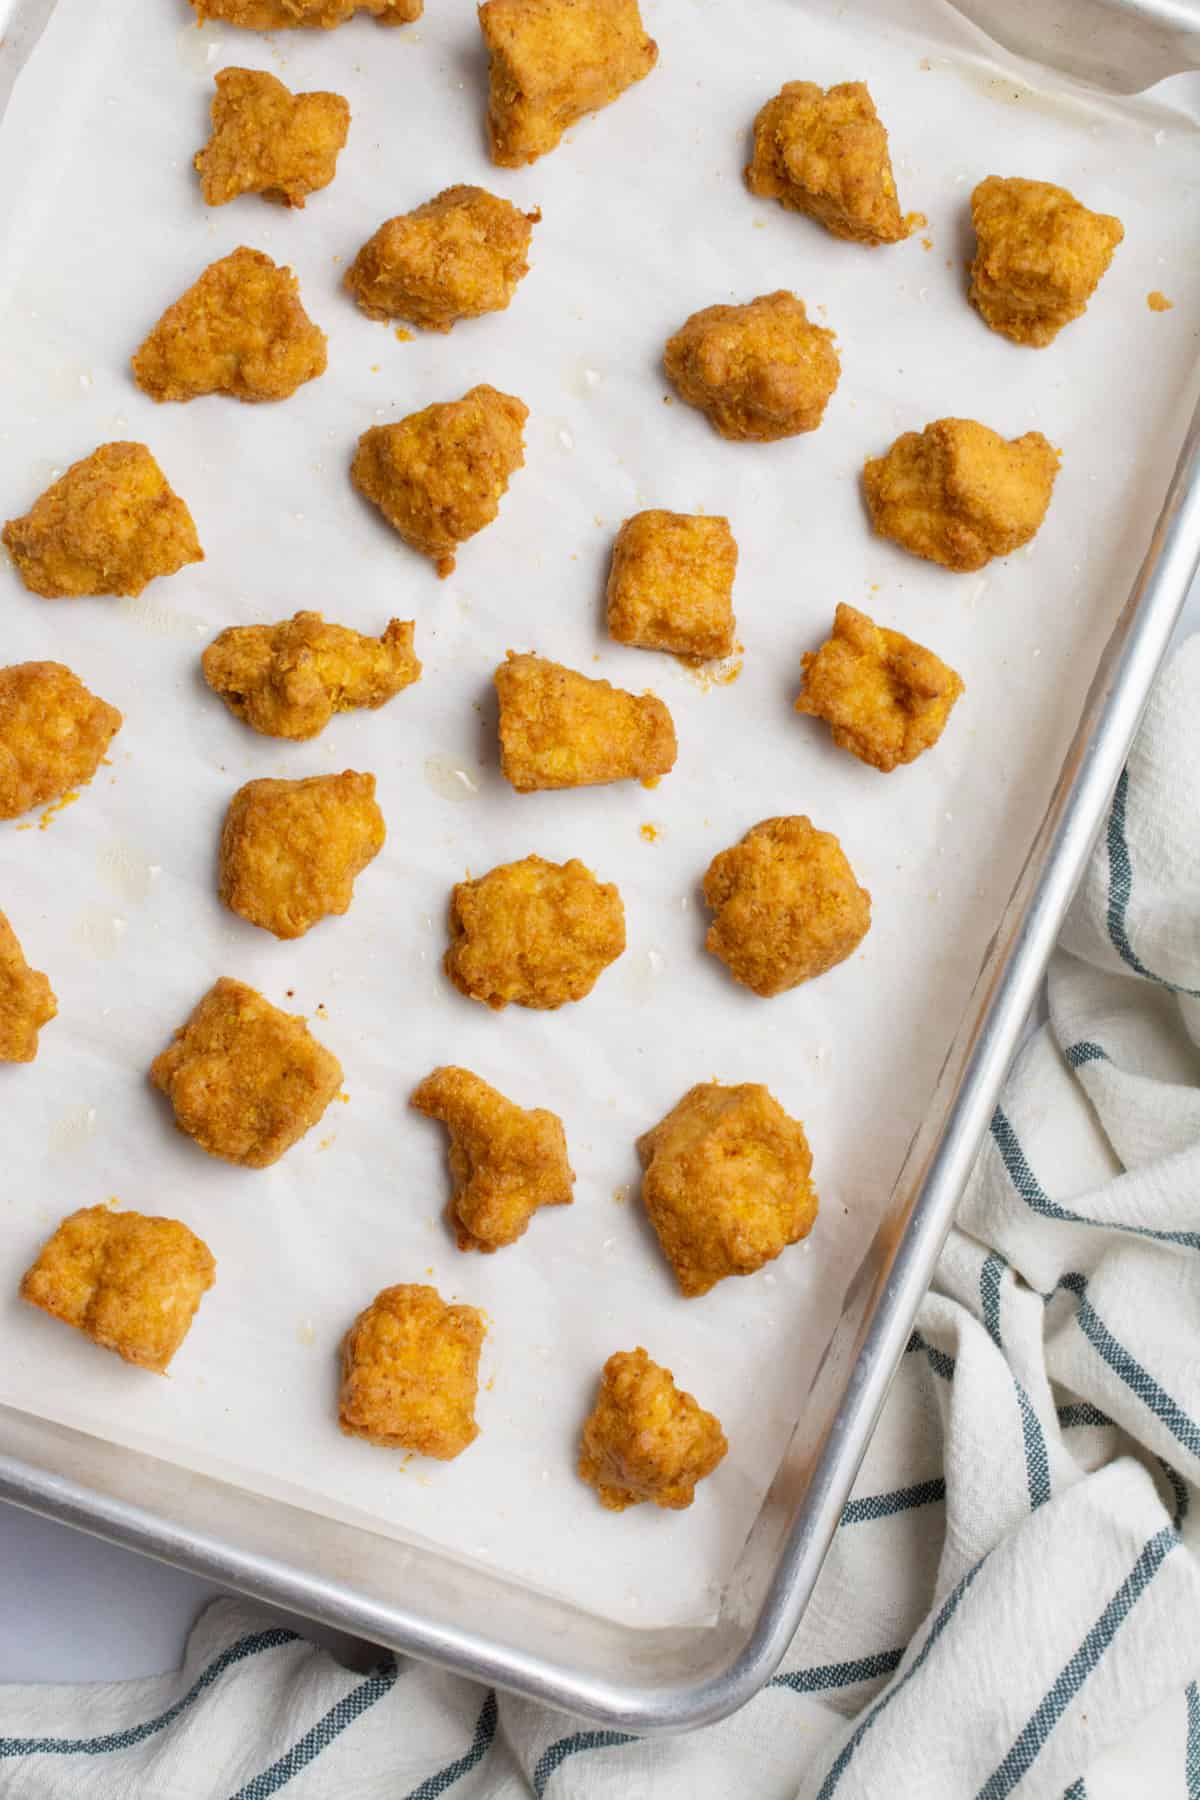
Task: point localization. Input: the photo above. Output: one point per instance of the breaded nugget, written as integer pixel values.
(787, 905)
(727, 1183)
(825, 153)
(670, 586)
(505, 1161)
(290, 850)
(552, 61)
(410, 1373)
(645, 1439)
(958, 493)
(761, 371)
(246, 1080)
(438, 476)
(239, 330)
(53, 734)
(457, 257)
(281, 15)
(27, 1001)
(533, 932)
(288, 680)
(266, 140)
(884, 698)
(130, 1283)
(1039, 257)
(111, 524)
(560, 729)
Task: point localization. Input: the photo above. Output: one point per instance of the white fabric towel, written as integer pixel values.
(1012, 1602)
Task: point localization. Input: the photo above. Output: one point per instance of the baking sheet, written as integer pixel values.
(645, 219)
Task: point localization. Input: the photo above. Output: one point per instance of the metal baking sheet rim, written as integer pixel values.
(677, 1680)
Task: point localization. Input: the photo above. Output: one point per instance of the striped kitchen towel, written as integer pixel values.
(1012, 1602)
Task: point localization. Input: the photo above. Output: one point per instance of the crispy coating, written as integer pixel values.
(266, 140)
(130, 1283)
(825, 153)
(1039, 257)
(535, 933)
(323, 15)
(27, 1001)
(108, 526)
(239, 330)
(885, 698)
(410, 1373)
(457, 257)
(645, 1439)
(288, 680)
(787, 905)
(727, 1183)
(552, 61)
(759, 372)
(959, 494)
(53, 734)
(290, 850)
(246, 1080)
(505, 1161)
(670, 586)
(560, 729)
(438, 476)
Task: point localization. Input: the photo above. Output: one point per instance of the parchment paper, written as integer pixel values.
(645, 220)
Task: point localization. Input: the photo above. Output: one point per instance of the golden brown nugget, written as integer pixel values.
(410, 1373)
(670, 586)
(959, 494)
(560, 729)
(266, 140)
(53, 734)
(239, 330)
(457, 257)
(27, 1001)
(1039, 257)
(288, 680)
(884, 698)
(533, 933)
(438, 476)
(322, 15)
(727, 1183)
(245, 1079)
(787, 904)
(111, 524)
(645, 1439)
(505, 1162)
(825, 153)
(552, 61)
(130, 1283)
(290, 850)
(759, 372)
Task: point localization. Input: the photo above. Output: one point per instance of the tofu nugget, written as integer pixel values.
(108, 526)
(671, 584)
(410, 1373)
(288, 680)
(130, 1283)
(281, 15)
(290, 850)
(239, 330)
(1039, 257)
(53, 734)
(559, 729)
(533, 932)
(266, 140)
(246, 1080)
(727, 1183)
(825, 153)
(552, 61)
(27, 1001)
(457, 257)
(439, 475)
(959, 494)
(884, 698)
(761, 371)
(505, 1162)
(787, 904)
(645, 1439)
